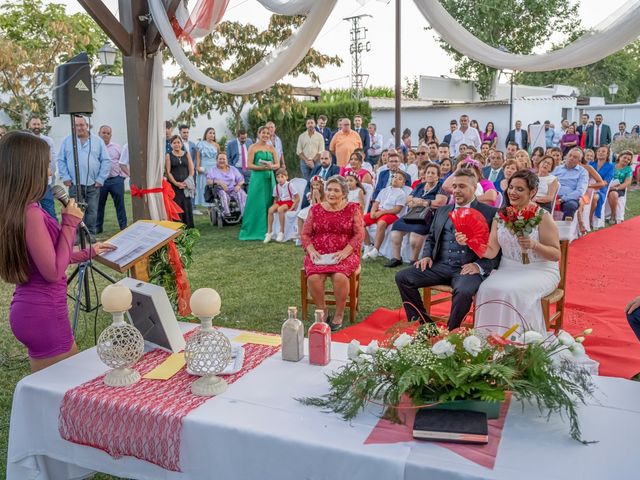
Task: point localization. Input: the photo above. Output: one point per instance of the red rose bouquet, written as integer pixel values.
(521, 222)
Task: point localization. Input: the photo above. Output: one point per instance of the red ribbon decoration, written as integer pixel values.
(173, 211)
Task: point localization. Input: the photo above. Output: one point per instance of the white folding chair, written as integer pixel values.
(599, 222)
(298, 186)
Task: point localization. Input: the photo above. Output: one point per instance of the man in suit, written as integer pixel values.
(325, 169)
(453, 126)
(493, 172)
(363, 132)
(238, 153)
(385, 176)
(445, 262)
(518, 136)
(598, 134)
(584, 124)
(324, 130)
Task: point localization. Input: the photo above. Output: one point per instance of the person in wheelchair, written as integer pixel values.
(227, 182)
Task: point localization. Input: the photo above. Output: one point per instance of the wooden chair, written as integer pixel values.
(443, 295)
(352, 300)
(557, 297)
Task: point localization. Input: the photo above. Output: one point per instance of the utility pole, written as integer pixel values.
(359, 43)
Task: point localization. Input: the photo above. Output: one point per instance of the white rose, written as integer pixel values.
(443, 349)
(587, 331)
(566, 339)
(580, 339)
(353, 351)
(372, 347)
(472, 344)
(530, 336)
(577, 349)
(402, 340)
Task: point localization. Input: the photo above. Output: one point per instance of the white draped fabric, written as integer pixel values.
(202, 19)
(156, 148)
(613, 34)
(288, 7)
(265, 73)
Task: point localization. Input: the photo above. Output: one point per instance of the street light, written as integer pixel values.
(613, 89)
(107, 57)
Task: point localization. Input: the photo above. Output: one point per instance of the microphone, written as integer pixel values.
(60, 194)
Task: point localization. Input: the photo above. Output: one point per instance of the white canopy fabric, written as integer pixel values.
(289, 7)
(610, 36)
(265, 73)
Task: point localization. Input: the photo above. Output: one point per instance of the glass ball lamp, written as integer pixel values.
(207, 351)
(120, 345)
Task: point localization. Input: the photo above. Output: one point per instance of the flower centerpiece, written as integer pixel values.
(521, 222)
(433, 367)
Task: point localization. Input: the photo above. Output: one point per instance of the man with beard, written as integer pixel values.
(34, 125)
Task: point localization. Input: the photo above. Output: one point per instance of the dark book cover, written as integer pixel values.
(459, 426)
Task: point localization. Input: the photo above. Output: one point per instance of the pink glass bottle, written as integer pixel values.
(319, 340)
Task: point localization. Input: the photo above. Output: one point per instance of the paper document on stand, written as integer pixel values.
(135, 241)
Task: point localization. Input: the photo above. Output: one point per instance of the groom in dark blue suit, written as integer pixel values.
(445, 262)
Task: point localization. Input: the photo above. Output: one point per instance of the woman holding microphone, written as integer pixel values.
(35, 251)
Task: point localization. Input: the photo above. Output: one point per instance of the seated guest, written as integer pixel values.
(443, 153)
(446, 168)
(480, 158)
(520, 285)
(285, 198)
(622, 176)
(384, 176)
(486, 191)
(536, 156)
(382, 163)
(595, 183)
(445, 262)
(574, 181)
(522, 160)
(334, 227)
(548, 184)
(493, 172)
(326, 169)
(509, 168)
(356, 190)
(556, 154)
(428, 193)
(569, 140)
(410, 166)
(355, 165)
(605, 169)
(384, 212)
(633, 315)
(228, 183)
(315, 196)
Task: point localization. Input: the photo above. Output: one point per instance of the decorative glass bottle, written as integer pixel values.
(292, 337)
(319, 340)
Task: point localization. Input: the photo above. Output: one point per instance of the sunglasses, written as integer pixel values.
(421, 153)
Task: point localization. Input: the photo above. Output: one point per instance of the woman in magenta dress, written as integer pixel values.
(35, 251)
(332, 238)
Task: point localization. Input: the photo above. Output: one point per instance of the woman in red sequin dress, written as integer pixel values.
(332, 238)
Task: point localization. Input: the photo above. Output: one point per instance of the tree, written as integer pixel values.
(519, 27)
(35, 39)
(228, 52)
(621, 68)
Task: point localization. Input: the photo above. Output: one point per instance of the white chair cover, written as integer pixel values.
(298, 185)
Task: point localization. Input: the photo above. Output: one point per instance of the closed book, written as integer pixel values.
(458, 426)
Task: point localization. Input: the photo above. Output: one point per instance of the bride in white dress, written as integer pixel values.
(520, 285)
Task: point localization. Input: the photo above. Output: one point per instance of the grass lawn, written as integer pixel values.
(257, 283)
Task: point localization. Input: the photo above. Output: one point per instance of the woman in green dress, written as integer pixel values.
(262, 161)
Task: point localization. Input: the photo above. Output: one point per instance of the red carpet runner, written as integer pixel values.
(603, 275)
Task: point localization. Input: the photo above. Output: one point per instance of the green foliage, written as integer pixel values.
(290, 124)
(36, 37)
(520, 27)
(411, 88)
(160, 269)
(621, 68)
(230, 51)
(535, 372)
(632, 142)
(346, 94)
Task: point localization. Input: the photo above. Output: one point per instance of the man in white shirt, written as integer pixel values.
(310, 146)
(465, 134)
(375, 144)
(34, 124)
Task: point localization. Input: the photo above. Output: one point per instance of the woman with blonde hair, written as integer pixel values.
(522, 160)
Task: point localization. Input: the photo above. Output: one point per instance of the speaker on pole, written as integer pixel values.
(72, 87)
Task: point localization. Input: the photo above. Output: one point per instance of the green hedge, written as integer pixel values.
(289, 125)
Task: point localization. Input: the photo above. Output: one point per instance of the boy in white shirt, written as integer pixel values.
(384, 212)
(285, 199)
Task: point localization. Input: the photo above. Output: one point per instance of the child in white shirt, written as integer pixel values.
(384, 212)
(285, 198)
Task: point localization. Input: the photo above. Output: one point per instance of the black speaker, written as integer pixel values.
(72, 87)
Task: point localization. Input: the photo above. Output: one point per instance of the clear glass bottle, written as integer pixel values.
(319, 340)
(292, 337)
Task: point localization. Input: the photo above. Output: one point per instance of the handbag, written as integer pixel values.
(418, 215)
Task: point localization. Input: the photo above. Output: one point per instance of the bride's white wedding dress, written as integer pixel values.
(521, 285)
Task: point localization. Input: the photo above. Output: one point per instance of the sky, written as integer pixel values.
(421, 53)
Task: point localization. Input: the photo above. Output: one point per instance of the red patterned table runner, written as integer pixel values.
(143, 420)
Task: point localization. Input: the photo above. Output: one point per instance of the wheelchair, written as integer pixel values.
(216, 215)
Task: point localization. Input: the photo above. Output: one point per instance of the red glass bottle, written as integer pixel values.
(319, 340)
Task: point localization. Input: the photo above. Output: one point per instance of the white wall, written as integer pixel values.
(614, 114)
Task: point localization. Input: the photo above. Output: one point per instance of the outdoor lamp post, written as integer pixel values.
(107, 58)
(613, 89)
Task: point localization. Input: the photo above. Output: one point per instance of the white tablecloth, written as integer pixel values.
(257, 430)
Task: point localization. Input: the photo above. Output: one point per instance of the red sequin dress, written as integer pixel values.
(330, 232)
